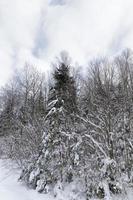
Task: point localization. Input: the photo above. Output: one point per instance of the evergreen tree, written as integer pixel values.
(54, 163)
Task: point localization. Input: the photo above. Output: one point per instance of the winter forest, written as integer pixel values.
(68, 128)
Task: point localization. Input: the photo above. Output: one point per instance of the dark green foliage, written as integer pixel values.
(65, 88)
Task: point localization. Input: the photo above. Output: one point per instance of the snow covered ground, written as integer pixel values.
(11, 189)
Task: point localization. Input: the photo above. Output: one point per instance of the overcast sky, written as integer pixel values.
(35, 31)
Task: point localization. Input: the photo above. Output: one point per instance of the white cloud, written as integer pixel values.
(36, 31)
(19, 21)
(84, 27)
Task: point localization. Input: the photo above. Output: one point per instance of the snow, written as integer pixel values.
(11, 189)
(97, 144)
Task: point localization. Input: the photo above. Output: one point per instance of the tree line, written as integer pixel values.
(67, 127)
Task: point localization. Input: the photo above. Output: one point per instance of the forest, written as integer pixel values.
(68, 127)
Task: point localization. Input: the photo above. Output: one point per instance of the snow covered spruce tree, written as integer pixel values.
(56, 160)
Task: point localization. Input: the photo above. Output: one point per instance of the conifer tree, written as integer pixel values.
(55, 160)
